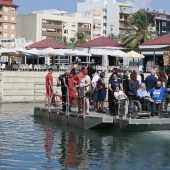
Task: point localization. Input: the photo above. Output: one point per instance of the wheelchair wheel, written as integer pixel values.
(134, 106)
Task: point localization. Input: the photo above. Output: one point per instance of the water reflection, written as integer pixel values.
(30, 143)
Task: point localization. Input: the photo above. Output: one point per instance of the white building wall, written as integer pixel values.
(27, 27)
(112, 12)
(30, 26)
(112, 17)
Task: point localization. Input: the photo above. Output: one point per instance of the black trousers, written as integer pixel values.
(64, 97)
(113, 108)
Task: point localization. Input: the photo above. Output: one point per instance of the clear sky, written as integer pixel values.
(27, 6)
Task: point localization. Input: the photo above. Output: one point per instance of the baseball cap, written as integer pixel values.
(85, 71)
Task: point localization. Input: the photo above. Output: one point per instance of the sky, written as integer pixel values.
(27, 6)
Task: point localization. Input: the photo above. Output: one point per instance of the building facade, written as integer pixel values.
(52, 24)
(114, 14)
(8, 13)
(160, 20)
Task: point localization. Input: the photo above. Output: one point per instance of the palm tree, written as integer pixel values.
(118, 37)
(62, 40)
(81, 37)
(72, 42)
(112, 36)
(140, 30)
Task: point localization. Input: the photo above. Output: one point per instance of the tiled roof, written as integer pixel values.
(101, 41)
(46, 44)
(162, 40)
(7, 3)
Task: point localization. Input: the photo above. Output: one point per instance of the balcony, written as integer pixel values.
(51, 26)
(123, 20)
(125, 10)
(82, 29)
(125, 28)
(51, 34)
(88, 36)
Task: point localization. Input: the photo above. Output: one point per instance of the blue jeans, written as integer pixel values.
(95, 98)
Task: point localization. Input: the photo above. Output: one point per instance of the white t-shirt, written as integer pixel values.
(139, 78)
(95, 79)
(120, 95)
(84, 80)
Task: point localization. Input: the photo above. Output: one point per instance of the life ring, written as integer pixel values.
(60, 102)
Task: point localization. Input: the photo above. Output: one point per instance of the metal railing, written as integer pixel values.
(40, 96)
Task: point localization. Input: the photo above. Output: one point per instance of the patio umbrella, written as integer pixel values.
(75, 52)
(132, 54)
(52, 52)
(101, 52)
(117, 53)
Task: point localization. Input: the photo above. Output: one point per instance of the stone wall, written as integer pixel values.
(25, 86)
(21, 86)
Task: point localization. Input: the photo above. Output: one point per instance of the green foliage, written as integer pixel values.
(140, 30)
(79, 38)
(118, 37)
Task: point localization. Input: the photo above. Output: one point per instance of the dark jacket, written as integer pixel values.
(133, 87)
(125, 83)
(150, 82)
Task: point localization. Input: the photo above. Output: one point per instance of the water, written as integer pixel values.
(29, 143)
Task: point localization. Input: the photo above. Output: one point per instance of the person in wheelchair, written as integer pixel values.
(158, 92)
(145, 99)
(118, 96)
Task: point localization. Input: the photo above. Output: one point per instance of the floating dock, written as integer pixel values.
(100, 120)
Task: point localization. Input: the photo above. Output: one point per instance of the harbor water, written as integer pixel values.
(31, 143)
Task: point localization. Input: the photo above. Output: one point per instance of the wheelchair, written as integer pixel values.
(119, 107)
(138, 108)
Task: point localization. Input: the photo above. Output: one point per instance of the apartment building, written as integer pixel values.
(160, 20)
(114, 14)
(52, 24)
(8, 13)
(97, 22)
(124, 11)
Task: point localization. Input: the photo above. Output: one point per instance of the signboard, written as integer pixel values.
(166, 58)
(17, 41)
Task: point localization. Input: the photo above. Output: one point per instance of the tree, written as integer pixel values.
(73, 42)
(112, 36)
(62, 40)
(81, 37)
(140, 30)
(118, 37)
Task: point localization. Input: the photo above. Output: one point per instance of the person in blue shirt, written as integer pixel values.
(114, 82)
(143, 94)
(158, 92)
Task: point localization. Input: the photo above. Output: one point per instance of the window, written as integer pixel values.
(164, 24)
(12, 35)
(121, 16)
(12, 18)
(73, 24)
(5, 35)
(12, 27)
(73, 31)
(5, 27)
(65, 31)
(5, 9)
(12, 9)
(5, 18)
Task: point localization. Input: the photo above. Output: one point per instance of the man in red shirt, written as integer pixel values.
(49, 84)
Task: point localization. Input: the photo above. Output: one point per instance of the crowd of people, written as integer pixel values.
(90, 91)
